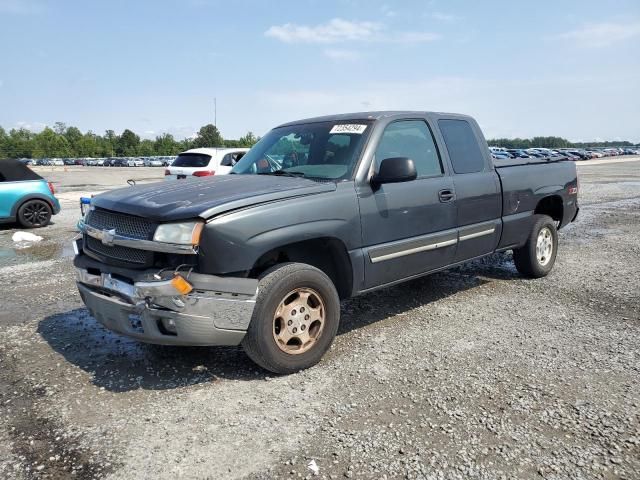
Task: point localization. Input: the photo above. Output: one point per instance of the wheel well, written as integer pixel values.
(327, 254)
(22, 201)
(551, 206)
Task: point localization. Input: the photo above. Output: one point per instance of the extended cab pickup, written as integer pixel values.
(317, 211)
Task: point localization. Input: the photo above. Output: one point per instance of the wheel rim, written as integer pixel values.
(36, 213)
(299, 321)
(544, 246)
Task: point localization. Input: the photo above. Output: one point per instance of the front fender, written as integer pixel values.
(235, 241)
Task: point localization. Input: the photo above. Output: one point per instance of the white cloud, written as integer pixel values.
(31, 126)
(602, 34)
(21, 7)
(340, 30)
(415, 37)
(388, 11)
(336, 30)
(443, 17)
(342, 55)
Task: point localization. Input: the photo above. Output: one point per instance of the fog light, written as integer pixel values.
(170, 325)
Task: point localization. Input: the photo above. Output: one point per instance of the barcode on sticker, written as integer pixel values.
(348, 128)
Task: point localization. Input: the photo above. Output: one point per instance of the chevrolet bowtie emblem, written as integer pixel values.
(108, 236)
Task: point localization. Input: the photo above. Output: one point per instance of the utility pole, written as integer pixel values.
(215, 113)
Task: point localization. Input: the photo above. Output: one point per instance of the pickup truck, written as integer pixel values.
(317, 211)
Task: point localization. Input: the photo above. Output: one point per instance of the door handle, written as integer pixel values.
(446, 195)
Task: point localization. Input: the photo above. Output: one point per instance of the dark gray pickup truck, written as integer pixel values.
(317, 211)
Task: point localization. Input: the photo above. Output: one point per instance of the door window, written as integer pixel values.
(411, 139)
(462, 145)
(230, 159)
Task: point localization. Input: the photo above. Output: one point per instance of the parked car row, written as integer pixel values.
(570, 153)
(163, 161)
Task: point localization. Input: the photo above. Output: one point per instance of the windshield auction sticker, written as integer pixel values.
(348, 128)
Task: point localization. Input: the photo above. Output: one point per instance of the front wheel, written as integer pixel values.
(295, 318)
(536, 258)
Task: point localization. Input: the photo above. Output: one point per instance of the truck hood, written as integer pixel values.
(181, 199)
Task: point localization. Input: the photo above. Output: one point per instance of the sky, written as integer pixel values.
(566, 67)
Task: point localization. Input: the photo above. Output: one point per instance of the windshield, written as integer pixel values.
(326, 150)
(193, 160)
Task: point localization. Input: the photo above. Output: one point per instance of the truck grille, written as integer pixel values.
(125, 225)
(117, 252)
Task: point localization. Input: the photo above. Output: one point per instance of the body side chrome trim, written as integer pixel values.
(408, 246)
(402, 253)
(477, 234)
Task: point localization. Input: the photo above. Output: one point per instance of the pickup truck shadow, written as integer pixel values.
(120, 364)
(381, 304)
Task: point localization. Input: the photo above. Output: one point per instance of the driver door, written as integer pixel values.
(408, 228)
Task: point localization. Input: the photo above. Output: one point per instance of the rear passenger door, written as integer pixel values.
(408, 228)
(477, 187)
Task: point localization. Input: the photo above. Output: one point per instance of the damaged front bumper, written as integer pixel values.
(216, 312)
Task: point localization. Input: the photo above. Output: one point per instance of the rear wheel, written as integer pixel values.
(295, 319)
(34, 213)
(536, 258)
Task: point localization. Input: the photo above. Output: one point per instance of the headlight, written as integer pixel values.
(185, 233)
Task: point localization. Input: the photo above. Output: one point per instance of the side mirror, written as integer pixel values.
(395, 170)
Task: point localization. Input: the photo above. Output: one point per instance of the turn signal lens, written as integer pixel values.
(53, 192)
(195, 236)
(206, 173)
(181, 285)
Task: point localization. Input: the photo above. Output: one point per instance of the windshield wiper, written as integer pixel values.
(284, 173)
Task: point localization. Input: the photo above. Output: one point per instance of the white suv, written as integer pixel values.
(203, 162)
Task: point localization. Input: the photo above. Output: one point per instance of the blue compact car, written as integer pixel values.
(25, 196)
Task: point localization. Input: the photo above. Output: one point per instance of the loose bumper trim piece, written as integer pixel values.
(154, 312)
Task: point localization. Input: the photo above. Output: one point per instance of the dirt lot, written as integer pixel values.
(470, 373)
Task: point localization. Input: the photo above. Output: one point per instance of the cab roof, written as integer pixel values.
(369, 116)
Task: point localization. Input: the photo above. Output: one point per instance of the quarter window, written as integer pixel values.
(411, 139)
(462, 145)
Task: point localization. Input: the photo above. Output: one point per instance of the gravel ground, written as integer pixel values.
(470, 373)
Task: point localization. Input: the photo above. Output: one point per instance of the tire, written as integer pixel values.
(531, 261)
(311, 296)
(34, 213)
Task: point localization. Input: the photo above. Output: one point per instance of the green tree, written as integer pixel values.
(165, 144)
(109, 143)
(49, 144)
(248, 140)
(20, 143)
(208, 136)
(73, 136)
(127, 143)
(59, 128)
(4, 138)
(88, 146)
(146, 148)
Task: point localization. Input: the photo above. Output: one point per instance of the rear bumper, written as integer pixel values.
(150, 311)
(56, 205)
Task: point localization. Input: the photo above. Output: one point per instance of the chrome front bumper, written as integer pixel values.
(216, 312)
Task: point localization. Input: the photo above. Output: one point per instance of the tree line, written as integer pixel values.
(551, 142)
(63, 141)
